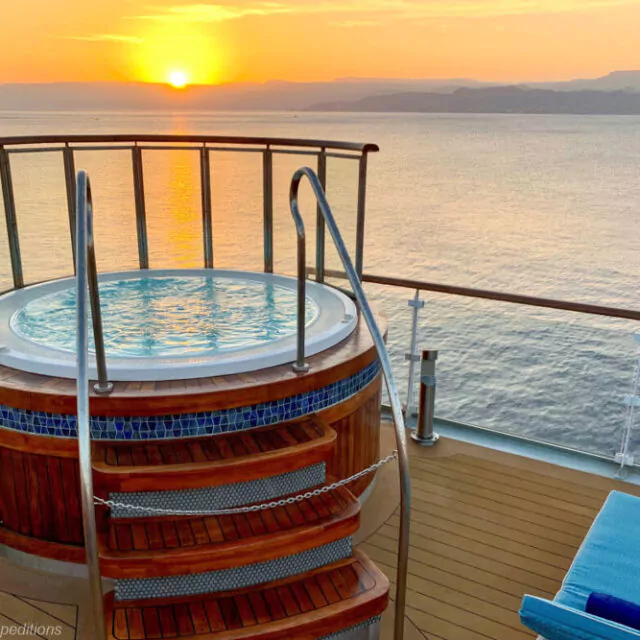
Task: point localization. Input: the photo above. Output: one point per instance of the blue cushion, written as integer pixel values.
(555, 621)
(615, 609)
(608, 560)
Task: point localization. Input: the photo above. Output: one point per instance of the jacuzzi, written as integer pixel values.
(173, 324)
(192, 354)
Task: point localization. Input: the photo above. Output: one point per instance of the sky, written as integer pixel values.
(304, 40)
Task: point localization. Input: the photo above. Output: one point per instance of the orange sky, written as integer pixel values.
(250, 40)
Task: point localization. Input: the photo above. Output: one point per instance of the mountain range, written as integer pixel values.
(616, 93)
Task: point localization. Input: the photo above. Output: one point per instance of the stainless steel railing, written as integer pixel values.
(353, 276)
(85, 274)
(66, 146)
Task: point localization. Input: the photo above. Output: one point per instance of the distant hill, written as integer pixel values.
(270, 96)
(509, 99)
(614, 81)
(351, 94)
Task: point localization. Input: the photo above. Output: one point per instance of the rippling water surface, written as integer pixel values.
(541, 205)
(169, 316)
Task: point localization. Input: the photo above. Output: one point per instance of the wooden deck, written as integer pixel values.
(487, 527)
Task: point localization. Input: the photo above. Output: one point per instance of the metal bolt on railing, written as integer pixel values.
(424, 433)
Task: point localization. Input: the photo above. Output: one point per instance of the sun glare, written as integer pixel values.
(178, 79)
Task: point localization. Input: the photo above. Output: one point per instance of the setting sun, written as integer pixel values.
(178, 79)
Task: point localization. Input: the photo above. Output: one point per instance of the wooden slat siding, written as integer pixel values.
(53, 518)
(41, 502)
(289, 608)
(479, 541)
(11, 513)
(148, 548)
(46, 498)
(236, 463)
(71, 480)
(44, 548)
(22, 493)
(34, 497)
(57, 395)
(357, 445)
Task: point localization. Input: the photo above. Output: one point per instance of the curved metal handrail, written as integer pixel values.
(396, 407)
(85, 256)
(188, 138)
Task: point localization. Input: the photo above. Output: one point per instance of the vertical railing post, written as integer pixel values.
(205, 188)
(70, 184)
(362, 200)
(416, 304)
(625, 457)
(267, 203)
(141, 210)
(424, 433)
(10, 217)
(320, 224)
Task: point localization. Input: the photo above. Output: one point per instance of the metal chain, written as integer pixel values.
(254, 507)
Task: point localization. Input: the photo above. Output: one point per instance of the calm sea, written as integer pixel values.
(541, 205)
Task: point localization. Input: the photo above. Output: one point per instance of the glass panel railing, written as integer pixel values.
(548, 375)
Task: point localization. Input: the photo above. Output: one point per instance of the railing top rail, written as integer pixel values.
(196, 139)
(498, 296)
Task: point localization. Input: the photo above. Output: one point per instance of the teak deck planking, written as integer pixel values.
(486, 528)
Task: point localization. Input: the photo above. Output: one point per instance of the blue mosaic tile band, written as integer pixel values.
(189, 425)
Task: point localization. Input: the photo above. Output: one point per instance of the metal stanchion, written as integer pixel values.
(424, 433)
(416, 304)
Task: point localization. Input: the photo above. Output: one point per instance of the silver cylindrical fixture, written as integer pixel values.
(70, 184)
(424, 433)
(207, 224)
(362, 203)
(320, 230)
(267, 207)
(10, 216)
(141, 208)
(300, 365)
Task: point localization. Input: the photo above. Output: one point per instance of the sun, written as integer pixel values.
(178, 79)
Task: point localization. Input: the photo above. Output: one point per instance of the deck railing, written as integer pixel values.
(66, 146)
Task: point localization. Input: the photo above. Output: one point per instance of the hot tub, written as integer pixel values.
(39, 470)
(173, 324)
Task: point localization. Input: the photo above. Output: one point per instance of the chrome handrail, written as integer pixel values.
(378, 340)
(85, 257)
(300, 366)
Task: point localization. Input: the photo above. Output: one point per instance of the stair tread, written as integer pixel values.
(146, 547)
(311, 605)
(156, 465)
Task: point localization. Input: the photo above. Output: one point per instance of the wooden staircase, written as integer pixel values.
(289, 571)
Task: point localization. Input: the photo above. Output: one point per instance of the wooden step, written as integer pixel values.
(153, 547)
(305, 607)
(240, 456)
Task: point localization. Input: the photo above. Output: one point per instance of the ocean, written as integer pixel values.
(538, 205)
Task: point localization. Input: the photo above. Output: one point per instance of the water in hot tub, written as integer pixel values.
(169, 316)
